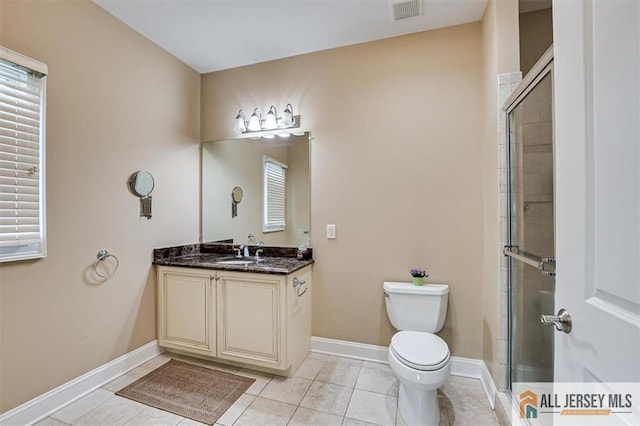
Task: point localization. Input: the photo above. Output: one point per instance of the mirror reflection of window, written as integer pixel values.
(274, 178)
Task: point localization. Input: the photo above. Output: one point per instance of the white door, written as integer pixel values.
(597, 134)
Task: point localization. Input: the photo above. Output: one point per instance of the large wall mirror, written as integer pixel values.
(240, 163)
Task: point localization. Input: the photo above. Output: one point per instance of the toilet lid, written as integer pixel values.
(420, 350)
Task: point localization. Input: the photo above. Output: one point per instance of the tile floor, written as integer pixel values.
(326, 390)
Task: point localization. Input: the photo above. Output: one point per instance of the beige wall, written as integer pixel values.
(507, 34)
(397, 127)
(536, 35)
(500, 55)
(116, 104)
(490, 308)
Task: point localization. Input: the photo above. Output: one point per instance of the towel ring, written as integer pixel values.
(101, 257)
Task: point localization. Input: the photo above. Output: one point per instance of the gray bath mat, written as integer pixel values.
(188, 390)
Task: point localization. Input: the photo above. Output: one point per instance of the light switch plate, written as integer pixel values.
(331, 231)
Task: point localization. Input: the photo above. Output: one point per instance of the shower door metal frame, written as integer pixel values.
(539, 71)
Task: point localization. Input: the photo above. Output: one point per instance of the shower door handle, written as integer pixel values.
(530, 259)
(562, 321)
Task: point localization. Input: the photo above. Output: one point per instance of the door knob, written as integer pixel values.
(562, 321)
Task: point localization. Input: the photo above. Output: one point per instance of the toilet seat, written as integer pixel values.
(420, 350)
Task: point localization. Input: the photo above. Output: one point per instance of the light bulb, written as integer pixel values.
(241, 126)
(254, 121)
(287, 117)
(271, 121)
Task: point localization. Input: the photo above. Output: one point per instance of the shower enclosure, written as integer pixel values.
(531, 225)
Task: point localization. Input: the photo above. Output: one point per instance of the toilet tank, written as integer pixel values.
(416, 308)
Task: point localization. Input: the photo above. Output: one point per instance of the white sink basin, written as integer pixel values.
(235, 262)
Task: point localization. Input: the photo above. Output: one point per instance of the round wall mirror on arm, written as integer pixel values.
(236, 197)
(236, 194)
(141, 184)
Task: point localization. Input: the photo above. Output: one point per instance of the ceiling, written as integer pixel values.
(213, 35)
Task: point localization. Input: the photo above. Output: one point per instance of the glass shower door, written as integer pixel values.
(531, 231)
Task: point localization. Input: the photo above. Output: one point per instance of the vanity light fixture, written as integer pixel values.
(270, 123)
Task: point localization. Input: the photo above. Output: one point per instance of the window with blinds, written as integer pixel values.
(275, 174)
(22, 101)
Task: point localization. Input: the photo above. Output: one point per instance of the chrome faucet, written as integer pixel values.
(258, 253)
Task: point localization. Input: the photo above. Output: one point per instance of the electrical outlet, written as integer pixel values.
(331, 232)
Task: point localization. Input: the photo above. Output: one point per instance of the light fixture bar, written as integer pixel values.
(272, 123)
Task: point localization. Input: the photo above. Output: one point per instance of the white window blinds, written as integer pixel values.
(22, 90)
(274, 195)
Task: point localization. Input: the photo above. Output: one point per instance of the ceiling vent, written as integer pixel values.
(403, 9)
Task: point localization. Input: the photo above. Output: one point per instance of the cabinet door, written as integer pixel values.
(186, 310)
(250, 319)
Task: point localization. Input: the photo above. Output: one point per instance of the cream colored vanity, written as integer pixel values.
(244, 318)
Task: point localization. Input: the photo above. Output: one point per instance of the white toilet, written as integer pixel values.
(418, 358)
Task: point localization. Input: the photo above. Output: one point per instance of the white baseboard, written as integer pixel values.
(466, 367)
(511, 408)
(347, 349)
(488, 385)
(47, 403)
(463, 367)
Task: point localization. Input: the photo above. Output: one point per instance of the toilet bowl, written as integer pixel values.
(418, 357)
(420, 372)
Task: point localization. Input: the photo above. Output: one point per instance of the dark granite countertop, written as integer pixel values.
(194, 258)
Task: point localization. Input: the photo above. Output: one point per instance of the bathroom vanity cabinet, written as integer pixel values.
(244, 318)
